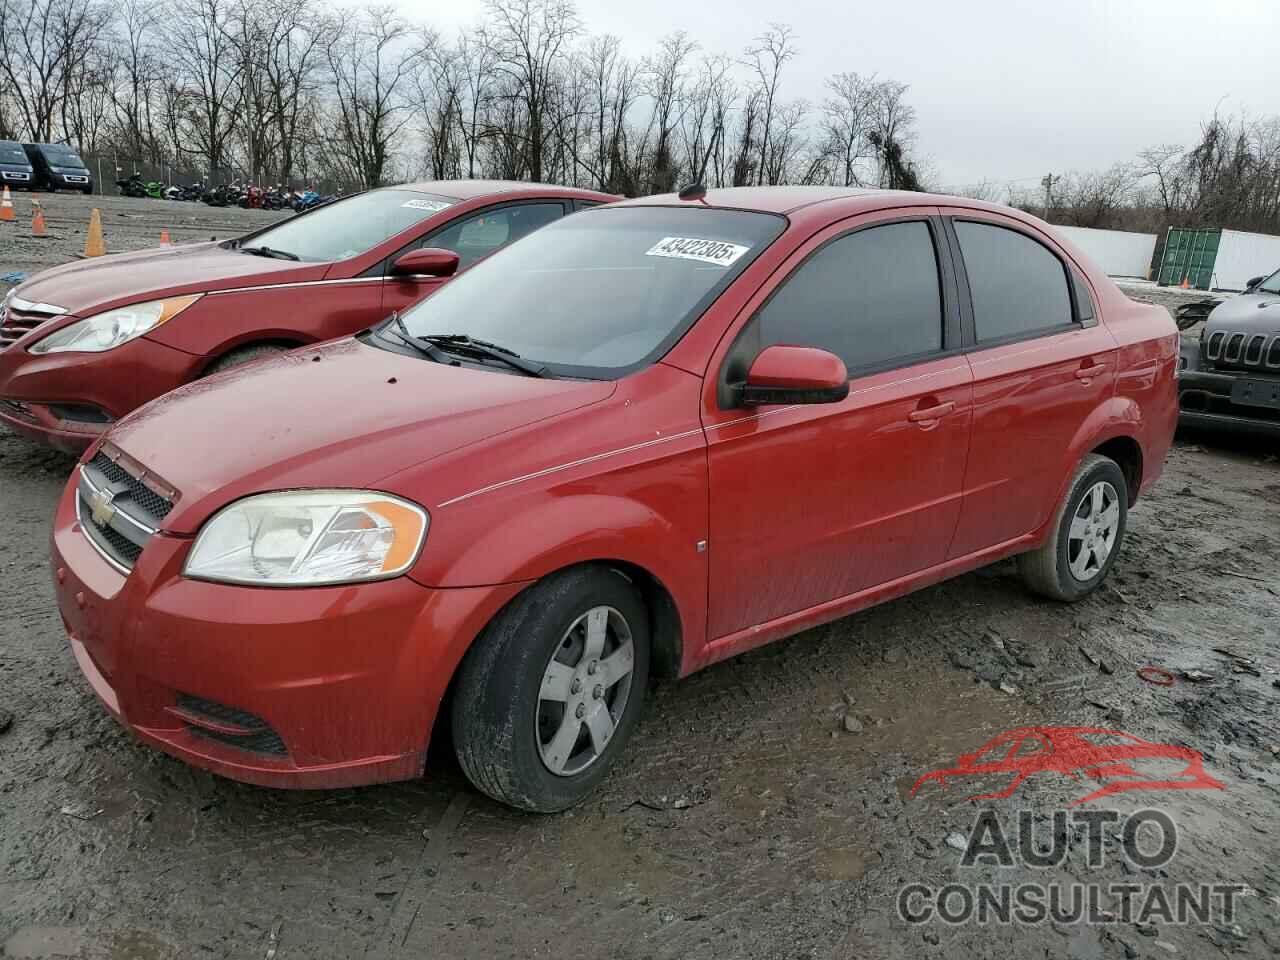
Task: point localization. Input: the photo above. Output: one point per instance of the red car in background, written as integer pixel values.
(643, 439)
(83, 344)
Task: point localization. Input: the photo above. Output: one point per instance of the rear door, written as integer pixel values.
(472, 238)
(812, 503)
(1042, 365)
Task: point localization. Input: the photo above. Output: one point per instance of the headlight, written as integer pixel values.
(110, 329)
(309, 537)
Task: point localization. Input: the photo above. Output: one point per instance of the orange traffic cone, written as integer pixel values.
(164, 238)
(37, 220)
(1186, 285)
(6, 207)
(94, 245)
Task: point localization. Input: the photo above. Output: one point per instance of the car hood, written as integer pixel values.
(344, 414)
(86, 287)
(1247, 313)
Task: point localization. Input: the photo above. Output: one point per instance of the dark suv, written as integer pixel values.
(15, 168)
(58, 167)
(1230, 378)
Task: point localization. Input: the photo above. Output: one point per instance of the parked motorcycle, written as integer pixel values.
(252, 196)
(305, 200)
(132, 186)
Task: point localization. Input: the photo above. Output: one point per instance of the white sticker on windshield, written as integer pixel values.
(425, 204)
(719, 252)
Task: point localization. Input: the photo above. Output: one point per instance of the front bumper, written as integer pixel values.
(346, 680)
(1204, 401)
(67, 400)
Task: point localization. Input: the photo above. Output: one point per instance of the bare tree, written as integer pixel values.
(372, 62)
(199, 38)
(528, 38)
(766, 57)
(848, 118)
(44, 44)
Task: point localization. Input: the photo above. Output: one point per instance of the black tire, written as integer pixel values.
(243, 355)
(496, 704)
(1048, 570)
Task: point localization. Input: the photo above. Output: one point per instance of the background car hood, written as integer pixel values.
(1248, 313)
(86, 287)
(344, 414)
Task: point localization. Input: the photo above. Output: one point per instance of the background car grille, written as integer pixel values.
(135, 510)
(1247, 351)
(18, 323)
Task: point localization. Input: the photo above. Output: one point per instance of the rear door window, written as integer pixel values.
(871, 297)
(1019, 286)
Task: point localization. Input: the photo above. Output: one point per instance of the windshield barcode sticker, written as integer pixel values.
(719, 252)
(424, 204)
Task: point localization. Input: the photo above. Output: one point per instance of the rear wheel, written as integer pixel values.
(243, 355)
(551, 690)
(1086, 537)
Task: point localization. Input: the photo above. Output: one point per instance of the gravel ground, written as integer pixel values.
(763, 810)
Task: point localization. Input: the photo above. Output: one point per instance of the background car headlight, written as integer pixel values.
(309, 537)
(110, 329)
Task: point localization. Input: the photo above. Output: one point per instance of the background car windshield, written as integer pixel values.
(12, 153)
(62, 156)
(1270, 285)
(349, 227)
(601, 291)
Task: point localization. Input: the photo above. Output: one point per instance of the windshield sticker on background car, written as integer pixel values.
(424, 204)
(705, 251)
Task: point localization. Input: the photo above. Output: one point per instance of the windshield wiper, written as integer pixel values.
(428, 350)
(269, 252)
(461, 343)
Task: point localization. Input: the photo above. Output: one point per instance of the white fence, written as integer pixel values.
(1117, 252)
(1243, 256)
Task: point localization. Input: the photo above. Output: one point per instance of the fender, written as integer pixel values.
(563, 531)
(1114, 417)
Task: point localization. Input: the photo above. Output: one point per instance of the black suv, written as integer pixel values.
(1230, 379)
(58, 167)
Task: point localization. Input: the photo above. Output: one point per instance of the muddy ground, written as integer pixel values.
(763, 809)
(127, 224)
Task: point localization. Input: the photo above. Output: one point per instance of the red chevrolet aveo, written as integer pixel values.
(83, 344)
(643, 439)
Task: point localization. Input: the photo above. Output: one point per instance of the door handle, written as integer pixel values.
(931, 413)
(1088, 373)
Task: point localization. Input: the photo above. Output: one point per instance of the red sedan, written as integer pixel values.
(641, 440)
(83, 344)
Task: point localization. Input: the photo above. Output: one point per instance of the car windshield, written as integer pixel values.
(347, 228)
(602, 292)
(62, 156)
(12, 153)
(1271, 284)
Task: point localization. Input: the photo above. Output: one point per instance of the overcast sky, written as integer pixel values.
(1003, 90)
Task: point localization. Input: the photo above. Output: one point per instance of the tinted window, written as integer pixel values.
(1018, 285)
(12, 153)
(479, 236)
(869, 297)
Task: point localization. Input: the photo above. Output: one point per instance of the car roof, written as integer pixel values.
(789, 199)
(471, 189)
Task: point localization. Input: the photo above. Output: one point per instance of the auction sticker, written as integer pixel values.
(719, 252)
(425, 204)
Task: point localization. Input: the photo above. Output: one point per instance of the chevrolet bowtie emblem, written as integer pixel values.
(100, 507)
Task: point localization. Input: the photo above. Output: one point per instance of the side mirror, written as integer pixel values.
(427, 262)
(788, 375)
(1253, 283)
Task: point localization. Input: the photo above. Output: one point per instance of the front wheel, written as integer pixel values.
(1086, 536)
(550, 692)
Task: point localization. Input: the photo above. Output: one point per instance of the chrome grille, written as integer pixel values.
(23, 316)
(118, 513)
(1226, 348)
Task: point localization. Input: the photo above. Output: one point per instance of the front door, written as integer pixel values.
(813, 503)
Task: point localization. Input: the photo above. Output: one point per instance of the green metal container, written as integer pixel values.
(1189, 254)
